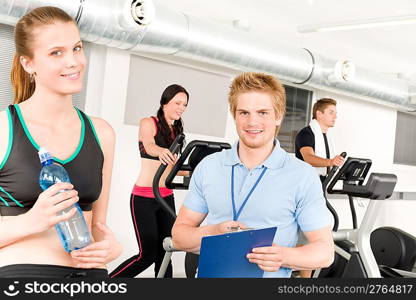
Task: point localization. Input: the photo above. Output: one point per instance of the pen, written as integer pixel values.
(237, 228)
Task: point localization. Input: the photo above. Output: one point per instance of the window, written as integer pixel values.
(208, 105)
(6, 56)
(405, 143)
(298, 106)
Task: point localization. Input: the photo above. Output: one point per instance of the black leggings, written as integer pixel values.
(49, 271)
(151, 225)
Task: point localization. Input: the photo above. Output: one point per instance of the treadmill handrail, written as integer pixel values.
(341, 171)
(174, 149)
(332, 173)
(324, 186)
(179, 166)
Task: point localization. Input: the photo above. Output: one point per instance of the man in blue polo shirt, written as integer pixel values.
(257, 184)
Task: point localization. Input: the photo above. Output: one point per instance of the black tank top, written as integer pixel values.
(19, 171)
(159, 140)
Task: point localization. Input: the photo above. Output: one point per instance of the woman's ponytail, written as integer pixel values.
(23, 85)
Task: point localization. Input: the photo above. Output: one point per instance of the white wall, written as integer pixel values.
(363, 130)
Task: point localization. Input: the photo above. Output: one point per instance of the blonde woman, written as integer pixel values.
(48, 69)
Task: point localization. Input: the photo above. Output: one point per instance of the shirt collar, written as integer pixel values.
(275, 160)
(231, 157)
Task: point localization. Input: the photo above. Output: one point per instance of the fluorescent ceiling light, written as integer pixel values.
(358, 24)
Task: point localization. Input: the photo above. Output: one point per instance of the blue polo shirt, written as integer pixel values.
(288, 196)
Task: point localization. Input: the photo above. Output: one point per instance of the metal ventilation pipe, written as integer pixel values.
(148, 26)
(12, 10)
(189, 37)
(112, 23)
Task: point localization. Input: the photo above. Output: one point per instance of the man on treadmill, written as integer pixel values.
(313, 144)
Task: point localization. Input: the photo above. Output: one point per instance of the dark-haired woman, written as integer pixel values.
(151, 222)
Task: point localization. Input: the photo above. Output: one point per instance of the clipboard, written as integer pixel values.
(224, 256)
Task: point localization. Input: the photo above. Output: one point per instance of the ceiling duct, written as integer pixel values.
(148, 26)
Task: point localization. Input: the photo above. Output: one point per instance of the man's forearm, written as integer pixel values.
(188, 238)
(311, 256)
(317, 161)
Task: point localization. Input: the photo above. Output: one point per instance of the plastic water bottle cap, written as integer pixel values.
(44, 155)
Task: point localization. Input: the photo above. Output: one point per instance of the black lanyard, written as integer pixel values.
(235, 213)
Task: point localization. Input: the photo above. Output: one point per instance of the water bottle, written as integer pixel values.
(74, 232)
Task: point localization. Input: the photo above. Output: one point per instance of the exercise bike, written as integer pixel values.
(363, 252)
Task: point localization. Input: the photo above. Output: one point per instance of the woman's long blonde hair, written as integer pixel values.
(23, 83)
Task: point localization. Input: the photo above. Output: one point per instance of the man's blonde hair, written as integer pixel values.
(258, 82)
